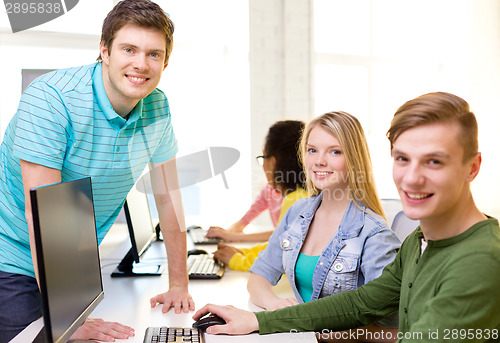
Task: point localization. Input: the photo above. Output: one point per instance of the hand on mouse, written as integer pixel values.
(239, 322)
(207, 321)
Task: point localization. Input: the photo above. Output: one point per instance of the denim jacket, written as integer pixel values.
(357, 253)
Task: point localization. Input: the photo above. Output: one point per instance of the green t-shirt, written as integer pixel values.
(450, 293)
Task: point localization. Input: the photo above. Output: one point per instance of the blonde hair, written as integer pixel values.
(348, 131)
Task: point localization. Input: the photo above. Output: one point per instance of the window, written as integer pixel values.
(372, 55)
(206, 82)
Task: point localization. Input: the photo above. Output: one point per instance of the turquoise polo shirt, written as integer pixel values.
(66, 122)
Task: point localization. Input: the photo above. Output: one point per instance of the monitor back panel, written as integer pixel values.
(67, 254)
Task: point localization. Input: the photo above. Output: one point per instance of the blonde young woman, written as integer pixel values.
(337, 239)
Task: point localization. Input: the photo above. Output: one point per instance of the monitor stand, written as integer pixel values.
(159, 236)
(127, 268)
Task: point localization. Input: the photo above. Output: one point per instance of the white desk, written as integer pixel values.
(126, 300)
(29, 333)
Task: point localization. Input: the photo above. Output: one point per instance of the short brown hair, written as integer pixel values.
(434, 108)
(143, 13)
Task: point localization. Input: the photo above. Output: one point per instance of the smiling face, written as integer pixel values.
(429, 172)
(132, 68)
(325, 161)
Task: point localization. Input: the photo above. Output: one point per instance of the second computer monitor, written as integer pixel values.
(141, 233)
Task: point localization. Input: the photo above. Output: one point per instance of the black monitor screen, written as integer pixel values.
(67, 254)
(141, 233)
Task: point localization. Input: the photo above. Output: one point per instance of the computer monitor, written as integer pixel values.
(141, 233)
(67, 254)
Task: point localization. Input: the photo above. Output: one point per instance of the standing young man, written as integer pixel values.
(445, 279)
(106, 120)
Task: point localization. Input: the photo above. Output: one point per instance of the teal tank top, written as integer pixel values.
(304, 270)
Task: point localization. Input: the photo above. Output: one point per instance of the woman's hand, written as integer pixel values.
(225, 252)
(218, 232)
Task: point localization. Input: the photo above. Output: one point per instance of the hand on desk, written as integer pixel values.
(225, 252)
(236, 227)
(98, 329)
(176, 297)
(239, 322)
(218, 232)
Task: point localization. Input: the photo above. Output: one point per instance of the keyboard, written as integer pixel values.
(171, 334)
(204, 267)
(198, 236)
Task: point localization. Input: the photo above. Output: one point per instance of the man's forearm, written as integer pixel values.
(35, 175)
(175, 244)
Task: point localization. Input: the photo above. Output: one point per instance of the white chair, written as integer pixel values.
(403, 226)
(391, 208)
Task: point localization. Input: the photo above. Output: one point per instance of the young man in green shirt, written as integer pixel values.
(445, 279)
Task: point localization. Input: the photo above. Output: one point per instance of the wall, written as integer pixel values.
(239, 66)
(206, 82)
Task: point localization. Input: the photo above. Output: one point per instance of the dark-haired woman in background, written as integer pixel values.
(284, 174)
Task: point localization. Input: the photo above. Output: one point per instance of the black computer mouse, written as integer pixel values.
(197, 252)
(204, 322)
(193, 227)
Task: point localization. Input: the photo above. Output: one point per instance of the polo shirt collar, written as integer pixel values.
(114, 118)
